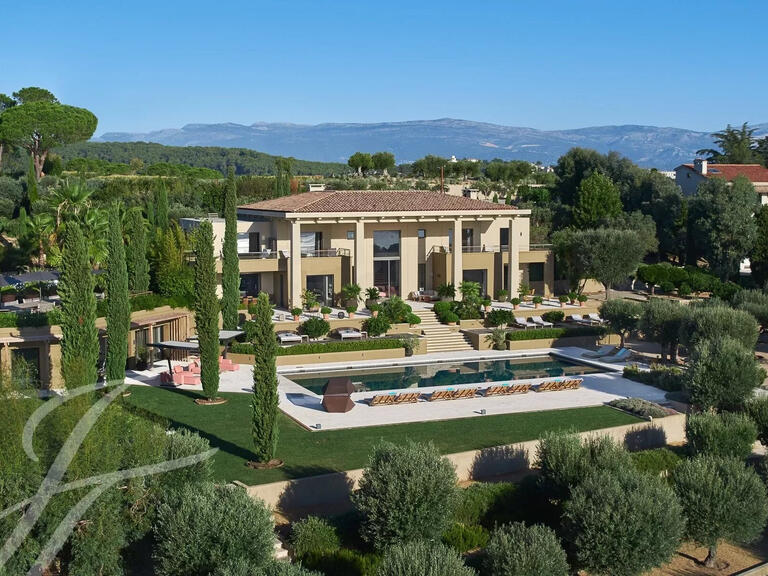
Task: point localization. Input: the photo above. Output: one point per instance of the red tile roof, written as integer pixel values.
(374, 201)
(753, 172)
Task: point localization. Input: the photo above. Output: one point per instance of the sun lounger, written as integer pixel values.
(579, 319)
(495, 390)
(600, 352)
(522, 322)
(383, 399)
(407, 398)
(286, 337)
(350, 333)
(594, 317)
(441, 395)
(541, 322)
(621, 356)
(464, 393)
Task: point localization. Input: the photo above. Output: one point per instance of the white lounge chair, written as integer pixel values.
(595, 318)
(541, 322)
(351, 333)
(621, 356)
(579, 319)
(600, 352)
(523, 323)
(287, 337)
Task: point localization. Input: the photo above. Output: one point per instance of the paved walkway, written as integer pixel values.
(305, 407)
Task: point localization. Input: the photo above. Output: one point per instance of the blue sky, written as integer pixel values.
(148, 65)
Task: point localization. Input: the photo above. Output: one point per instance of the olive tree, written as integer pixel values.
(722, 500)
(622, 316)
(519, 550)
(727, 434)
(420, 558)
(712, 321)
(660, 321)
(622, 522)
(406, 492)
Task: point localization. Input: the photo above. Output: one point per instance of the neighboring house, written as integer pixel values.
(397, 241)
(689, 176)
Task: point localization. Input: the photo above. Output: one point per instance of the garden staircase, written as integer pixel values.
(440, 338)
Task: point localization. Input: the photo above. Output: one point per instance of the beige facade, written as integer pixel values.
(293, 250)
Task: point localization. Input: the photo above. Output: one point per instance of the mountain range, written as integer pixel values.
(649, 146)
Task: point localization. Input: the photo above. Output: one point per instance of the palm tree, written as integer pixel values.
(37, 229)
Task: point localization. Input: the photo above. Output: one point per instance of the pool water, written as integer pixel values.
(446, 373)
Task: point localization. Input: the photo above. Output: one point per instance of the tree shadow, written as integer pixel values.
(328, 491)
(499, 460)
(645, 438)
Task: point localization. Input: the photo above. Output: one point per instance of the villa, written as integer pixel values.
(689, 176)
(404, 243)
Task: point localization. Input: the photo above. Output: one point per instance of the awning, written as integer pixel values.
(160, 318)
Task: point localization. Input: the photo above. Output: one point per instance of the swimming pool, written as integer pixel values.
(446, 373)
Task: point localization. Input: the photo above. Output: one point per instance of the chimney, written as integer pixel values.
(700, 166)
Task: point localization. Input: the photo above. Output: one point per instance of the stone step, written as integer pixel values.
(280, 553)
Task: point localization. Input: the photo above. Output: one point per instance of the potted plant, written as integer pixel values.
(487, 304)
(326, 312)
(446, 291)
(525, 291)
(502, 295)
(142, 358)
(582, 300)
(515, 303)
(537, 300)
(375, 309)
(296, 314)
(563, 300)
(351, 310)
(371, 296)
(572, 297)
(350, 294)
(309, 300)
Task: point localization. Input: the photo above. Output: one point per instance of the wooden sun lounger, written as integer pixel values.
(557, 385)
(495, 390)
(441, 395)
(382, 399)
(407, 398)
(464, 393)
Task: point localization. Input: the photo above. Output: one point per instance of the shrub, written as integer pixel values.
(755, 302)
(413, 319)
(478, 503)
(553, 333)
(296, 312)
(554, 316)
(722, 499)
(313, 535)
(639, 406)
(343, 561)
(564, 460)
(537, 299)
(727, 434)
(440, 308)
(660, 461)
(669, 378)
(421, 558)
(497, 338)
(202, 525)
(315, 327)
(182, 443)
(684, 290)
(406, 492)
(449, 318)
(621, 522)
(465, 537)
(515, 301)
(240, 567)
(377, 326)
(722, 374)
(715, 321)
(520, 550)
(757, 408)
(622, 316)
(498, 318)
(325, 310)
(326, 347)
(351, 309)
(396, 310)
(446, 291)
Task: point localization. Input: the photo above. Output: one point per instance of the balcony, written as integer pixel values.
(332, 253)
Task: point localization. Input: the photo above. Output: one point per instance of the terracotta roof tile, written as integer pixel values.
(753, 172)
(374, 201)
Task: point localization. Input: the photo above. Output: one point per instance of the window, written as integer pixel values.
(386, 261)
(254, 242)
(311, 242)
(386, 244)
(422, 276)
(467, 237)
(536, 272)
(421, 233)
(504, 237)
(350, 234)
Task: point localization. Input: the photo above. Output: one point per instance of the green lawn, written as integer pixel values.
(228, 427)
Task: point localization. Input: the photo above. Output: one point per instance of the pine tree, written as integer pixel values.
(161, 206)
(136, 253)
(264, 402)
(80, 337)
(230, 275)
(118, 305)
(207, 309)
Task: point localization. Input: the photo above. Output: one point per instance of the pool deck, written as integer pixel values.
(305, 407)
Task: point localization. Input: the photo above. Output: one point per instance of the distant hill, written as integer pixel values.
(214, 157)
(649, 146)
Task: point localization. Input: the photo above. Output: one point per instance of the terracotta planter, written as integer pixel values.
(562, 304)
(536, 304)
(351, 315)
(326, 316)
(488, 308)
(582, 304)
(516, 306)
(375, 313)
(296, 318)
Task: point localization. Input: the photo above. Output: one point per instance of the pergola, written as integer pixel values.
(225, 337)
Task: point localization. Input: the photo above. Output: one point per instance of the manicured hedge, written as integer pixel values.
(669, 378)
(547, 333)
(29, 319)
(326, 347)
(639, 407)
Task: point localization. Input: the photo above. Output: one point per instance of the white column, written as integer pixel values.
(458, 269)
(361, 262)
(295, 279)
(513, 260)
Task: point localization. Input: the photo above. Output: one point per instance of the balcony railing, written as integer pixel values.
(265, 254)
(465, 249)
(332, 253)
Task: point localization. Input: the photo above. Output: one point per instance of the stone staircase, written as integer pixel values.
(280, 551)
(440, 338)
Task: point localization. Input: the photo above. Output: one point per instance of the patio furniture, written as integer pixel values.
(541, 322)
(622, 355)
(351, 333)
(523, 323)
(288, 337)
(595, 317)
(579, 319)
(337, 395)
(441, 395)
(226, 365)
(557, 385)
(407, 398)
(424, 296)
(382, 399)
(600, 352)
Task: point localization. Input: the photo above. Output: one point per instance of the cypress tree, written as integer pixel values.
(32, 194)
(136, 254)
(207, 309)
(230, 272)
(118, 305)
(264, 401)
(80, 338)
(161, 206)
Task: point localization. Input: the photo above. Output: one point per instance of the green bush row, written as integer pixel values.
(29, 319)
(326, 347)
(640, 407)
(547, 333)
(669, 378)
